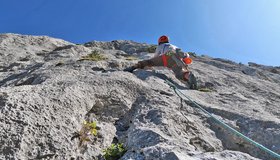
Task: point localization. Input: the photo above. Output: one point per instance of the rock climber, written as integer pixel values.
(170, 56)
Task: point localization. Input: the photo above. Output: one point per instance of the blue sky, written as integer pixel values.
(239, 30)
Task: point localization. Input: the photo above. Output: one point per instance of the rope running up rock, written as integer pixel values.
(184, 97)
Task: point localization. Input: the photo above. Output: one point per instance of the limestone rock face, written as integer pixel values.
(23, 48)
(129, 47)
(48, 89)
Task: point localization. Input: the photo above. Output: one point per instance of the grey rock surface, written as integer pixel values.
(129, 47)
(48, 91)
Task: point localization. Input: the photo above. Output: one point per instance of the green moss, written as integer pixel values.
(94, 56)
(131, 58)
(205, 90)
(114, 152)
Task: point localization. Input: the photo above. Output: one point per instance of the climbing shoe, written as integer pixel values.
(130, 69)
(192, 81)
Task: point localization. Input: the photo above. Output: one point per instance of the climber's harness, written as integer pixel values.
(176, 56)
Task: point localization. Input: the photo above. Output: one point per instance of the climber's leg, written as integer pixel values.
(156, 61)
(185, 75)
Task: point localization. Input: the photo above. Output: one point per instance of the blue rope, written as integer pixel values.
(178, 92)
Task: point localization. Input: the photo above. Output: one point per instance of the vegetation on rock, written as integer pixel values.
(114, 152)
(152, 49)
(88, 129)
(94, 56)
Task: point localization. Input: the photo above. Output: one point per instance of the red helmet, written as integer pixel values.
(163, 39)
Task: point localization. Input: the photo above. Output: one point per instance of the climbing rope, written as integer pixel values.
(185, 97)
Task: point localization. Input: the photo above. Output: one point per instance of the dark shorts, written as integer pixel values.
(179, 71)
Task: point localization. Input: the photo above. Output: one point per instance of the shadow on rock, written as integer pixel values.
(145, 74)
